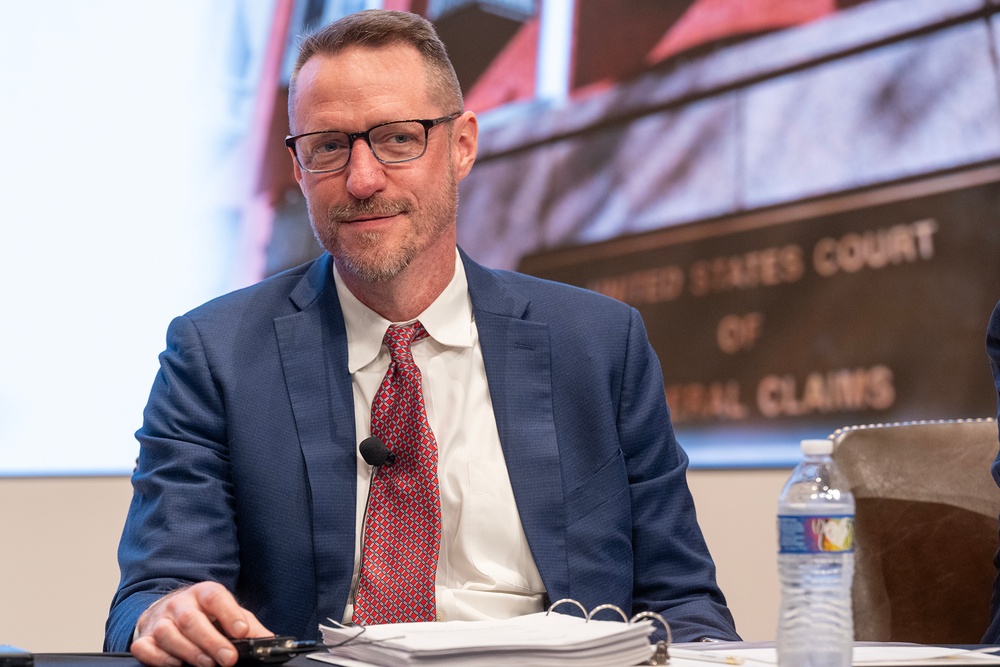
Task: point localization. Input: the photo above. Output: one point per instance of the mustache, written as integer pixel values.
(365, 207)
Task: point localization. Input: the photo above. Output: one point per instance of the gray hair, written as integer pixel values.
(376, 28)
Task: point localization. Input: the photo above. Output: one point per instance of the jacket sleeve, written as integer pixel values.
(993, 352)
(674, 572)
(182, 471)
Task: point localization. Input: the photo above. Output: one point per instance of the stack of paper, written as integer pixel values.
(537, 639)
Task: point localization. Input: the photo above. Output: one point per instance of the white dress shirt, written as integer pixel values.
(485, 568)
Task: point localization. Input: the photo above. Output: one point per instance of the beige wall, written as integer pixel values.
(58, 538)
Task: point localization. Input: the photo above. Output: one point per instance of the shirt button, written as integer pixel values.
(440, 617)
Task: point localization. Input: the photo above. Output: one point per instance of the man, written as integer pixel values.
(557, 472)
(993, 351)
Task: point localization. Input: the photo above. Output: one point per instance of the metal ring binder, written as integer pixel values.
(593, 612)
(660, 657)
(567, 600)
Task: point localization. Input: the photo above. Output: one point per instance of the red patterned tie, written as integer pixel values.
(403, 531)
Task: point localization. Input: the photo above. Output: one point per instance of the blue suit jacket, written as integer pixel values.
(247, 466)
(993, 351)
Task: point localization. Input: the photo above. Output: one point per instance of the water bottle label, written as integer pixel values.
(815, 534)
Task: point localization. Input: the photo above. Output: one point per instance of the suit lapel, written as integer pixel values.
(313, 348)
(516, 352)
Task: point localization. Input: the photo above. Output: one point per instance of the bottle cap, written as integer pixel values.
(817, 447)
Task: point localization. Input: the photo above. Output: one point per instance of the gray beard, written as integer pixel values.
(371, 266)
(374, 262)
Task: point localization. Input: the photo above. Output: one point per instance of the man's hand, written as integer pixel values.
(190, 625)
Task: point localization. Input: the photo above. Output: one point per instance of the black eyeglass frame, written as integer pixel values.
(352, 137)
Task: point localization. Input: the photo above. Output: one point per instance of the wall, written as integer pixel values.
(57, 559)
(59, 535)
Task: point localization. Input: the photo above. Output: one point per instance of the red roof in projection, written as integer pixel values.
(710, 20)
(639, 37)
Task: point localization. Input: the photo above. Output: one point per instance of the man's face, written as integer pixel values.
(378, 219)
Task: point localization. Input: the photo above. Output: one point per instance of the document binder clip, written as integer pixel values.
(661, 655)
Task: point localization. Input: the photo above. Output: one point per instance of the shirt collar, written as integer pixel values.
(448, 320)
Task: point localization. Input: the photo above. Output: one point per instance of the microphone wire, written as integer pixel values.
(387, 460)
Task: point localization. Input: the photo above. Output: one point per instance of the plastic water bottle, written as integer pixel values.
(815, 563)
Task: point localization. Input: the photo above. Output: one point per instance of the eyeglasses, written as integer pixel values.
(390, 143)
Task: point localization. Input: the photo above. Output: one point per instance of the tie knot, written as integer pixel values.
(399, 339)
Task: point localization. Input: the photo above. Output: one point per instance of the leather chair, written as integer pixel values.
(925, 528)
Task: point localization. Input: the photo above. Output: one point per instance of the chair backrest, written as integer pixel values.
(926, 528)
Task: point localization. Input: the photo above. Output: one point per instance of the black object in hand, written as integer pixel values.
(270, 650)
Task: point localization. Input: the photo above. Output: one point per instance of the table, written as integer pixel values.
(120, 660)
